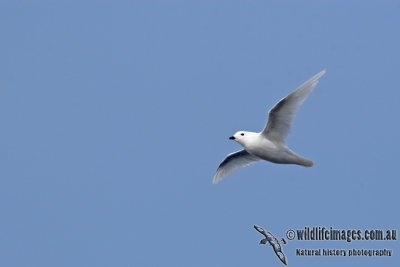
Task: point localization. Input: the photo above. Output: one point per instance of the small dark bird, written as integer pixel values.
(274, 242)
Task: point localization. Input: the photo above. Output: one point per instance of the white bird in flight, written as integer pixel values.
(269, 144)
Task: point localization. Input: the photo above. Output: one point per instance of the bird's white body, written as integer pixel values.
(269, 144)
(263, 148)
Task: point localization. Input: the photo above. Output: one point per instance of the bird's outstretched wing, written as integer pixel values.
(276, 245)
(260, 230)
(232, 162)
(282, 114)
(278, 250)
(279, 253)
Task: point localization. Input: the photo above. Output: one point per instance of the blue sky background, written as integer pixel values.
(115, 115)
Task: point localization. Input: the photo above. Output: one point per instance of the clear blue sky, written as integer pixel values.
(115, 115)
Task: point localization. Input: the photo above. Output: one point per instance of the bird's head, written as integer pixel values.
(263, 241)
(242, 137)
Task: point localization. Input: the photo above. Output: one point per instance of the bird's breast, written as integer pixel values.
(265, 149)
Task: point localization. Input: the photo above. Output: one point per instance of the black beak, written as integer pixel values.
(232, 138)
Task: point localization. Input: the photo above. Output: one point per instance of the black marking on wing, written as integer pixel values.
(232, 157)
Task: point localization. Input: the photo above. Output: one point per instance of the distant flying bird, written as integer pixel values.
(269, 144)
(274, 242)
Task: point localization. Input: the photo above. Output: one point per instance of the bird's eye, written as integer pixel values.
(242, 134)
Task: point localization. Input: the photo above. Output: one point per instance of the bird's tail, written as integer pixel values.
(304, 162)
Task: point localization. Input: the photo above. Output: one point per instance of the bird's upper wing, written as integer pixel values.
(233, 162)
(282, 114)
(279, 254)
(260, 230)
(277, 249)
